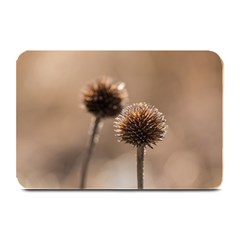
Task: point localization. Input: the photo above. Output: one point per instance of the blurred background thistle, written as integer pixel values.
(141, 125)
(103, 99)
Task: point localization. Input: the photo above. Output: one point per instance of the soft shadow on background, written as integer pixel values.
(52, 130)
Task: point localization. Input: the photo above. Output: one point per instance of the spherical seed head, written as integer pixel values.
(140, 124)
(104, 98)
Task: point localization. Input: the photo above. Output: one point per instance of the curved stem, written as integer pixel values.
(94, 134)
(140, 165)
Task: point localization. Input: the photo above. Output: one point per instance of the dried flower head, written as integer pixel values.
(104, 98)
(140, 124)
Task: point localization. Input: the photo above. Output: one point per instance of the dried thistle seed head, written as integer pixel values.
(104, 98)
(140, 124)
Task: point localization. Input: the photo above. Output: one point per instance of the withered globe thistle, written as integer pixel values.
(140, 124)
(104, 98)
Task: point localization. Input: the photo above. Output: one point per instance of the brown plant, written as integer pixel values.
(141, 125)
(103, 99)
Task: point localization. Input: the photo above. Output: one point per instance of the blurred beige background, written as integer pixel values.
(52, 131)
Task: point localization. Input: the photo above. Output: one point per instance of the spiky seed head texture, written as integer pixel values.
(140, 124)
(104, 98)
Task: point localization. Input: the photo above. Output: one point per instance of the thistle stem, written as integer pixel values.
(94, 134)
(140, 165)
